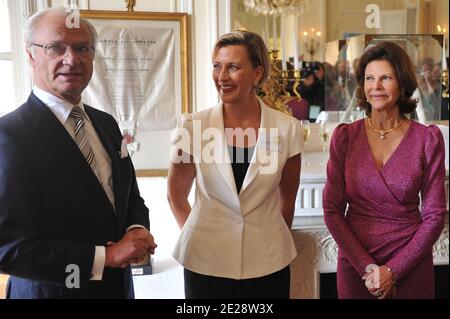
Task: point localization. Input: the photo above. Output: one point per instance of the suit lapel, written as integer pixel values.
(56, 140)
(224, 166)
(255, 163)
(259, 152)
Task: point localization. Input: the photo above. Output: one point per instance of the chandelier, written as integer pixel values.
(276, 7)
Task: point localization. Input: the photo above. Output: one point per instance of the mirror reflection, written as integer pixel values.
(324, 39)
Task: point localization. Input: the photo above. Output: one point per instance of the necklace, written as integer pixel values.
(384, 132)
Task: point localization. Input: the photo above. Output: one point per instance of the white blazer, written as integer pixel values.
(233, 235)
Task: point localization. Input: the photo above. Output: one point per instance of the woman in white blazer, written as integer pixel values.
(235, 241)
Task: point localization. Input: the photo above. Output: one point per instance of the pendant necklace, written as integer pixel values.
(384, 132)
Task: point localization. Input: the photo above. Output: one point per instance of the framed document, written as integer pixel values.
(140, 75)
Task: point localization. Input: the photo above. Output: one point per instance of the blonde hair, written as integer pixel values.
(257, 50)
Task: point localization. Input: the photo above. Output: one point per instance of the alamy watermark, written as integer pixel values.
(373, 278)
(373, 19)
(73, 17)
(73, 279)
(206, 146)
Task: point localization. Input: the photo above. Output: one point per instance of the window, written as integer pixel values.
(15, 76)
(8, 94)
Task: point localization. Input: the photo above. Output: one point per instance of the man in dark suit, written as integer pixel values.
(71, 217)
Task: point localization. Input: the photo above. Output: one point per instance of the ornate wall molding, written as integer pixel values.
(440, 248)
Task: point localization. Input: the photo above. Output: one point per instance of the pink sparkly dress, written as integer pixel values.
(382, 224)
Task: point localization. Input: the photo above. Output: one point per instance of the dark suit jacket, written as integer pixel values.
(53, 210)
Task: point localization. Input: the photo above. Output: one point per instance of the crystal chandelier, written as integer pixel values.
(276, 7)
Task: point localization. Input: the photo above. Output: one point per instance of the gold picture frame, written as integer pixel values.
(178, 21)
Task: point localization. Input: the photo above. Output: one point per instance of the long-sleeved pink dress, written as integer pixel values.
(382, 224)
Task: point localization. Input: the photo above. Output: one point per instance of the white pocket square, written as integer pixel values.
(123, 149)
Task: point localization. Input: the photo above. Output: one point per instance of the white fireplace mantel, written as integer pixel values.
(317, 251)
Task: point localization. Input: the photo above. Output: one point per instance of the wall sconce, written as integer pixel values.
(312, 42)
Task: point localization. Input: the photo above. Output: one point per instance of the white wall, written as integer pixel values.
(314, 17)
(350, 15)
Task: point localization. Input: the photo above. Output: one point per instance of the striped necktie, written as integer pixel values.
(78, 119)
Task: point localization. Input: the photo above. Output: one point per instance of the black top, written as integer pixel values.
(240, 160)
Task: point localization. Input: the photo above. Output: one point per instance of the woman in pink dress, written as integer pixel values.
(378, 167)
